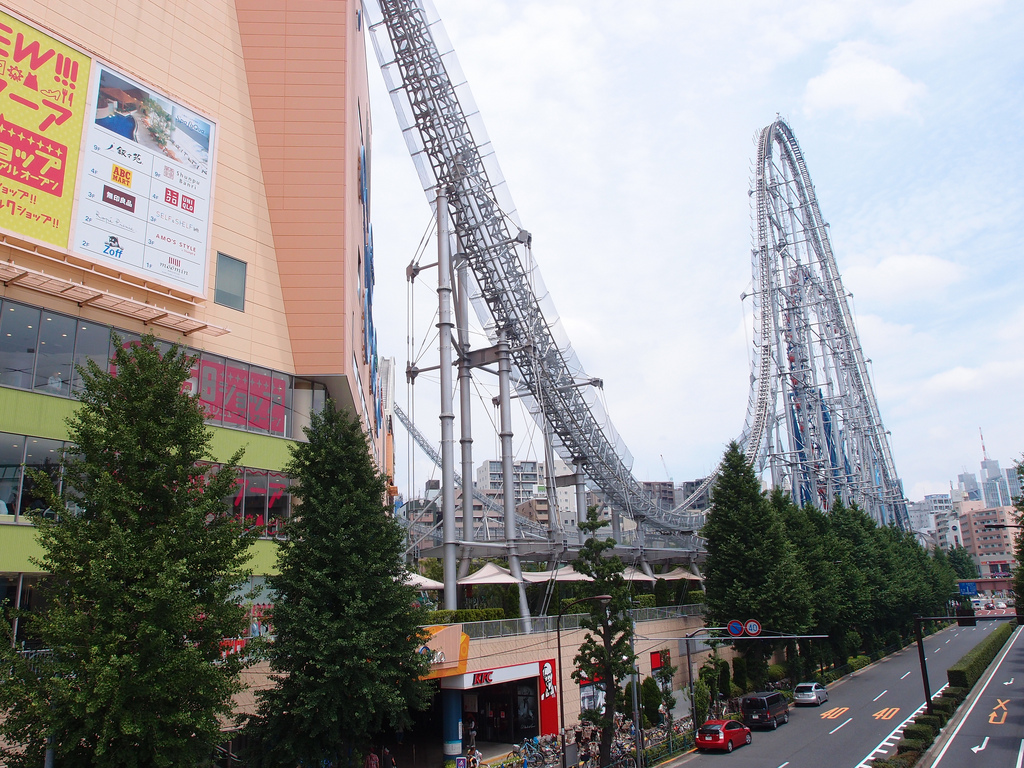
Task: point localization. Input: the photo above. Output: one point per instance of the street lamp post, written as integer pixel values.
(558, 637)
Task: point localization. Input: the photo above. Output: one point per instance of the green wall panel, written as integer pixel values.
(26, 413)
(18, 545)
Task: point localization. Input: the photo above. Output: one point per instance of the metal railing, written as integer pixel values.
(477, 630)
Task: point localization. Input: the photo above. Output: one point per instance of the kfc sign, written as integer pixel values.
(483, 678)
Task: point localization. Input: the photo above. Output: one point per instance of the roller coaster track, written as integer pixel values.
(813, 422)
(449, 148)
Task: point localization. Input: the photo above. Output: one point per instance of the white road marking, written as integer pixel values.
(882, 693)
(967, 714)
(906, 675)
(839, 726)
(784, 764)
(1009, 682)
(1020, 754)
(949, 639)
(889, 741)
(980, 747)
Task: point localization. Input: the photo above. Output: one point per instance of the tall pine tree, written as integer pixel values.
(751, 570)
(347, 635)
(145, 566)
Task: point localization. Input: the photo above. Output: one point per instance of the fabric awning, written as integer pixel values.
(490, 574)
(635, 574)
(420, 581)
(678, 573)
(565, 573)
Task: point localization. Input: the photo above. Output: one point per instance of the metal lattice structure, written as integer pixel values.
(450, 149)
(813, 424)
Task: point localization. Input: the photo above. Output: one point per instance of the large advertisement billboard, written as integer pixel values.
(43, 93)
(144, 198)
(143, 162)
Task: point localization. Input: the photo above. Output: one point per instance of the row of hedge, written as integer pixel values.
(465, 614)
(966, 672)
(924, 729)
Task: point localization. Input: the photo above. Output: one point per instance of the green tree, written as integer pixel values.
(751, 570)
(145, 570)
(664, 675)
(345, 653)
(962, 562)
(605, 653)
(701, 702)
(650, 700)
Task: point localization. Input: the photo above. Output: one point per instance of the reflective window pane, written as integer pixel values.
(211, 387)
(277, 502)
(255, 497)
(19, 331)
(56, 354)
(45, 455)
(92, 342)
(236, 393)
(12, 454)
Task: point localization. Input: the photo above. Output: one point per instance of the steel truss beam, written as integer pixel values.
(449, 152)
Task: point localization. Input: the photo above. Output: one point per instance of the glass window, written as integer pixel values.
(43, 454)
(277, 502)
(236, 393)
(260, 386)
(12, 454)
(230, 287)
(56, 354)
(236, 499)
(92, 342)
(255, 497)
(19, 331)
(211, 387)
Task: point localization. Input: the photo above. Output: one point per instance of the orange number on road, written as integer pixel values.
(833, 714)
(886, 714)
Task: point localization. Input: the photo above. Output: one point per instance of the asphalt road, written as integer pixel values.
(991, 732)
(864, 714)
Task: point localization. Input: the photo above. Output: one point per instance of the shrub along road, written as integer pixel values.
(862, 712)
(992, 726)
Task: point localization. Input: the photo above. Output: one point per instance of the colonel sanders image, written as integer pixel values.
(548, 674)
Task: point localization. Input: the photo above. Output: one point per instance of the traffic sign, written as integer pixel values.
(969, 588)
(753, 627)
(735, 628)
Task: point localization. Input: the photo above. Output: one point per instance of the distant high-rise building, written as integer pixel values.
(923, 513)
(527, 479)
(688, 487)
(994, 489)
(662, 492)
(967, 482)
(1013, 484)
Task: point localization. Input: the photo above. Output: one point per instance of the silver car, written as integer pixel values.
(810, 693)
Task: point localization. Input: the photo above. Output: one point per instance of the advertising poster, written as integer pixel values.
(144, 203)
(44, 88)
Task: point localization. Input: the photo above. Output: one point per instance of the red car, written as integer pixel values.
(722, 734)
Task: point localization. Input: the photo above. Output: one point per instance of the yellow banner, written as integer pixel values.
(43, 89)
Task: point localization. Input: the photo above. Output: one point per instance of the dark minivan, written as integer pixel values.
(764, 709)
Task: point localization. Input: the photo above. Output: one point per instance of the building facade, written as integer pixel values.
(198, 171)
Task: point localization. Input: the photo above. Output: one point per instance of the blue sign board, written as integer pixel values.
(735, 628)
(969, 588)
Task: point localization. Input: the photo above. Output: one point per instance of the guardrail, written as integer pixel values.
(511, 627)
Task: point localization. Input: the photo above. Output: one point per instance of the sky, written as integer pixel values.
(626, 134)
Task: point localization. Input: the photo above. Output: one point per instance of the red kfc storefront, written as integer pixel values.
(509, 704)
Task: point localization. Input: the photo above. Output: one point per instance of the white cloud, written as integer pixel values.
(904, 278)
(857, 83)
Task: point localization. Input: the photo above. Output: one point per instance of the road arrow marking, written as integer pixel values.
(980, 747)
(1009, 682)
